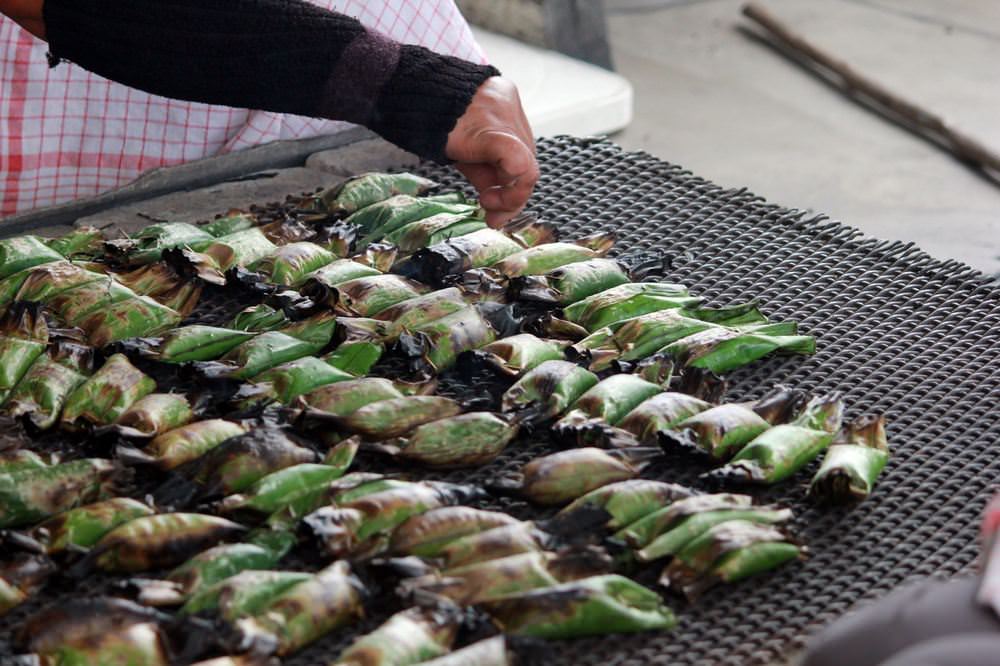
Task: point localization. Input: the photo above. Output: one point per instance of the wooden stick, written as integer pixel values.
(874, 95)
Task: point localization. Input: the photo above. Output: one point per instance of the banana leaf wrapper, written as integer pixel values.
(613, 398)
(258, 318)
(105, 396)
(725, 350)
(21, 252)
(77, 305)
(385, 217)
(727, 553)
(640, 532)
(129, 318)
(562, 477)
(489, 652)
(571, 283)
(362, 526)
(413, 313)
(305, 612)
(408, 637)
(79, 529)
(261, 353)
(285, 231)
(290, 380)
(198, 342)
(549, 389)
(183, 444)
(518, 354)
(395, 417)
(334, 273)
(435, 346)
(160, 541)
(721, 432)
(239, 462)
(20, 577)
(626, 301)
(296, 486)
(155, 414)
(228, 224)
(368, 296)
(504, 541)
(82, 243)
(627, 501)
(18, 459)
(780, 405)
(161, 282)
(243, 594)
(541, 259)
(28, 496)
(823, 412)
(45, 388)
(457, 255)
(43, 283)
(516, 574)
(345, 489)
(853, 462)
(426, 535)
(433, 230)
(242, 248)
(774, 455)
(289, 264)
(370, 188)
(529, 231)
(24, 337)
(147, 245)
(466, 440)
(683, 532)
(344, 398)
(203, 571)
(661, 413)
(596, 606)
(240, 660)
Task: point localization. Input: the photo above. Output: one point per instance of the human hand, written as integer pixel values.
(493, 147)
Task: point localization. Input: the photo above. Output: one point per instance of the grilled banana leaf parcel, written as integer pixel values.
(427, 534)
(781, 451)
(628, 501)
(562, 477)
(541, 259)
(335, 273)
(371, 188)
(489, 652)
(853, 462)
(408, 637)
(661, 413)
(596, 606)
(493, 544)
(81, 528)
(21, 577)
(433, 230)
(305, 612)
(81, 243)
(289, 380)
(163, 283)
(718, 431)
(76, 305)
(43, 283)
(368, 296)
(384, 217)
(28, 496)
(105, 396)
(290, 264)
(243, 594)
(611, 399)
(24, 336)
(727, 553)
(233, 221)
(573, 282)
(198, 342)
(518, 354)
(17, 254)
(396, 417)
(184, 443)
(549, 389)
(435, 346)
(626, 301)
(456, 255)
(128, 318)
(413, 313)
(45, 388)
(269, 350)
(465, 440)
(242, 248)
(257, 318)
(147, 244)
(154, 414)
(724, 350)
(345, 398)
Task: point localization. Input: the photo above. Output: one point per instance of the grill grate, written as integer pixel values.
(898, 332)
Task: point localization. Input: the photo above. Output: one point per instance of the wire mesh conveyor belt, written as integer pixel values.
(898, 332)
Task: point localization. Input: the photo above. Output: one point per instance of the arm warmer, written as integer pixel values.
(286, 56)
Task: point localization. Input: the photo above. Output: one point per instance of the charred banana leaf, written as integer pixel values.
(496, 543)
(727, 553)
(724, 350)
(148, 244)
(427, 535)
(518, 354)
(362, 525)
(243, 594)
(259, 318)
(199, 343)
(368, 296)
(456, 255)
(783, 450)
(290, 380)
(79, 529)
(395, 417)
(334, 273)
(409, 637)
(661, 413)
(853, 462)
(266, 351)
(595, 606)
(105, 396)
(628, 501)
(355, 358)
(290, 264)
(627, 301)
(45, 388)
(435, 346)
(20, 577)
(241, 248)
(571, 283)
(781, 405)
(612, 399)
(541, 259)
(385, 217)
(567, 475)
(162, 540)
(154, 415)
(184, 443)
(82, 243)
(230, 223)
(371, 188)
(489, 652)
(18, 459)
(718, 431)
(28, 496)
(413, 313)
(43, 283)
(344, 398)
(642, 531)
(128, 318)
(163, 283)
(516, 574)
(17, 254)
(24, 337)
(77, 305)
(305, 612)
(433, 230)
(549, 389)
(465, 440)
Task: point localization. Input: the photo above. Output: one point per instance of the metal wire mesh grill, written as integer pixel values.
(897, 331)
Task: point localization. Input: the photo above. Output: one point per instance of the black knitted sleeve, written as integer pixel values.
(286, 56)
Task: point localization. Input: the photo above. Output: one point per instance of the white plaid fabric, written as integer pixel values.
(66, 133)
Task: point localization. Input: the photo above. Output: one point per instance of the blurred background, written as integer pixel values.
(688, 81)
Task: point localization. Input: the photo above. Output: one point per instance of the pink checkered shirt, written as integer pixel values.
(66, 133)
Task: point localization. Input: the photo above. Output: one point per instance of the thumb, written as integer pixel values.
(504, 151)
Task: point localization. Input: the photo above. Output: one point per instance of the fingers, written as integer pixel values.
(504, 174)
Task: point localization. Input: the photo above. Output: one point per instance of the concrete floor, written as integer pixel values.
(732, 110)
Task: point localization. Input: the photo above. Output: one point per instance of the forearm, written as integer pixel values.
(277, 55)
